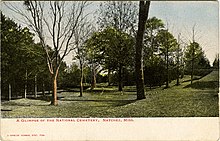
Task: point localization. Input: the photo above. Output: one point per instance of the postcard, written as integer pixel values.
(109, 70)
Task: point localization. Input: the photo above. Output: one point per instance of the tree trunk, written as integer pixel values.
(51, 85)
(9, 92)
(183, 70)
(120, 85)
(54, 100)
(178, 70)
(143, 15)
(109, 77)
(25, 85)
(167, 67)
(192, 69)
(93, 83)
(192, 64)
(178, 61)
(81, 81)
(35, 86)
(43, 88)
(177, 79)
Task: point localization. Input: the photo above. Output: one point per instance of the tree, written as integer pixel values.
(21, 58)
(60, 21)
(167, 44)
(10, 33)
(192, 54)
(150, 52)
(94, 56)
(81, 34)
(178, 57)
(143, 15)
(113, 49)
(121, 15)
(153, 26)
(216, 62)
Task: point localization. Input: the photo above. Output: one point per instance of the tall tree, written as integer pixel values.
(60, 21)
(94, 56)
(81, 34)
(122, 16)
(192, 55)
(143, 15)
(150, 51)
(21, 57)
(167, 44)
(10, 33)
(114, 50)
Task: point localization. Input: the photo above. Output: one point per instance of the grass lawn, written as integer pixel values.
(197, 100)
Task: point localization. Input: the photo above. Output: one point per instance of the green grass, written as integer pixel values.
(197, 100)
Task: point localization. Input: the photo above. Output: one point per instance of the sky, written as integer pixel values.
(180, 17)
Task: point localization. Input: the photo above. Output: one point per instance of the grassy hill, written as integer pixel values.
(199, 99)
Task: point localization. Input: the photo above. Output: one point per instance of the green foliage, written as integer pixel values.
(216, 62)
(153, 25)
(195, 55)
(155, 72)
(159, 53)
(193, 51)
(71, 77)
(112, 49)
(166, 42)
(19, 55)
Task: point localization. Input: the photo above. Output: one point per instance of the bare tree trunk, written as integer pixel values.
(120, 85)
(143, 15)
(54, 100)
(182, 67)
(81, 80)
(178, 62)
(9, 92)
(192, 68)
(54, 94)
(167, 67)
(25, 87)
(35, 86)
(193, 54)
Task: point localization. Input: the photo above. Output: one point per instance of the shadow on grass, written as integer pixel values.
(102, 90)
(113, 103)
(46, 98)
(197, 78)
(204, 85)
(6, 110)
(130, 90)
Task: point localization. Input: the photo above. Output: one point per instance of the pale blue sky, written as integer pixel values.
(181, 16)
